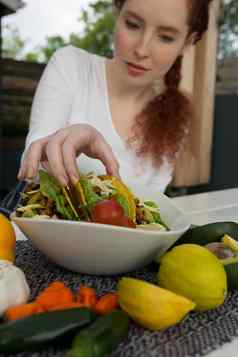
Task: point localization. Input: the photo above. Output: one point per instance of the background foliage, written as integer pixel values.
(98, 22)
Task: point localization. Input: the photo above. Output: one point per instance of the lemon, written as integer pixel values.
(194, 272)
(151, 306)
(7, 239)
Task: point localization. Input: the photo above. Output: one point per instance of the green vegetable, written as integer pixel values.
(101, 337)
(156, 215)
(230, 261)
(50, 188)
(123, 202)
(209, 233)
(90, 196)
(231, 268)
(37, 331)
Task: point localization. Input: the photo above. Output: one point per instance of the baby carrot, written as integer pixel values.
(106, 304)
(23, 310)
(54, 294)
(87, 296)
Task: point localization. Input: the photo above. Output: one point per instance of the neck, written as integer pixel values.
(121, 89)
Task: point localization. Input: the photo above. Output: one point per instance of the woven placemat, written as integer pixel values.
(197, 335)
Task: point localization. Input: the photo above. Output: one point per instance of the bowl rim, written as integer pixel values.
(139, 231)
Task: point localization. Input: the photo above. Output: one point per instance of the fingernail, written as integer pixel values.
(64, 181)
(28, 180)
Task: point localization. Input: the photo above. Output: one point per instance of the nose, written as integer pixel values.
(142, 47)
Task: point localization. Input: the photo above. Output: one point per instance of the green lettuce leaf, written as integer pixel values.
(156, 215)
(51, 189)
(123, 202)
(90, 196)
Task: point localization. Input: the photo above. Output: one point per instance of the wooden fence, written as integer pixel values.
(227, 77)
(18, 83)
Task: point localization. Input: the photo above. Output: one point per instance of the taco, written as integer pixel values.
(91, 197)
(47, 199)
(93, 189)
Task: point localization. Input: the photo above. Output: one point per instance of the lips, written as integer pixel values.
(136, 66)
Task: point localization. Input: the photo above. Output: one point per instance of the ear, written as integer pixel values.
(190, 41)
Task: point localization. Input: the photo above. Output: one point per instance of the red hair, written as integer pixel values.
(163, 126)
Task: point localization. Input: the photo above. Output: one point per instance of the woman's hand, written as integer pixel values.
(58, 152)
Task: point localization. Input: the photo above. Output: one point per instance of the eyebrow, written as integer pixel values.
(165, 28)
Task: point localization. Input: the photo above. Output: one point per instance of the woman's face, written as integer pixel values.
(149, 36)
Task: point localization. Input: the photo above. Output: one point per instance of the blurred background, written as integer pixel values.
(32, 30)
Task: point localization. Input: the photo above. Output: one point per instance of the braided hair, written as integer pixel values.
(162, 127)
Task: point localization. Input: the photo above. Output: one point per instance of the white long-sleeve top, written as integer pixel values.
(73, 89)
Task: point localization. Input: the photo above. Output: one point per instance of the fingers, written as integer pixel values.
(87, 140)
(69, 159)
(77, 142)
(102, 150)
(57, 154)
(110, 162)
(54, 155)
(30, 164)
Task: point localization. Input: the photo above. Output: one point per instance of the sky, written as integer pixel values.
(39, 19)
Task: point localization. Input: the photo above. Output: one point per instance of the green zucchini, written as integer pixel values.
(101, 337)
(35, 332)
(231, 268)
(209, 233)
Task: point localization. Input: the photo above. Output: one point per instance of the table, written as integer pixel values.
(203, 208)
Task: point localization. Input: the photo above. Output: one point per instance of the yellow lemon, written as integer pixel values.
(194, 272)
(151, 306)
(7, 239)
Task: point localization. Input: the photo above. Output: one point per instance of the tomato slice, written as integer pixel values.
(105, 210)
(111, 212)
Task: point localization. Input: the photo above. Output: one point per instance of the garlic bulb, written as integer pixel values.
(14, 289)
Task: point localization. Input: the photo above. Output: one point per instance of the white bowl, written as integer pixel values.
(100, 249)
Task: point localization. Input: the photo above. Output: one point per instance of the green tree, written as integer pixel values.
(53, 43)
(98, 23)
(228, 28)
(13, 45)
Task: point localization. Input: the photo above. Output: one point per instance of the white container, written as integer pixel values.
(100, 249)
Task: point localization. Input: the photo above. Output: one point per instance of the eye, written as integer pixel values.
(166, 38)
(132, 24)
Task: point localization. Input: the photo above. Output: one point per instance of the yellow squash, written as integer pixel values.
(151, 306)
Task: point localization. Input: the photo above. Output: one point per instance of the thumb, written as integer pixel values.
(102, 150)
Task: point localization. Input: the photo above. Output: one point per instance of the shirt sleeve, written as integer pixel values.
(53, 98)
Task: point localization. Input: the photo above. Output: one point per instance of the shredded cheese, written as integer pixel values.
(105, 186)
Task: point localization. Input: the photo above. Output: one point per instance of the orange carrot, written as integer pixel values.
(21, 311)
(87, 296)
(106, 304)
(57, 296)
(54, 294)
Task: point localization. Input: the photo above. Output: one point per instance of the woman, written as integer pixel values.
(126, 113)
